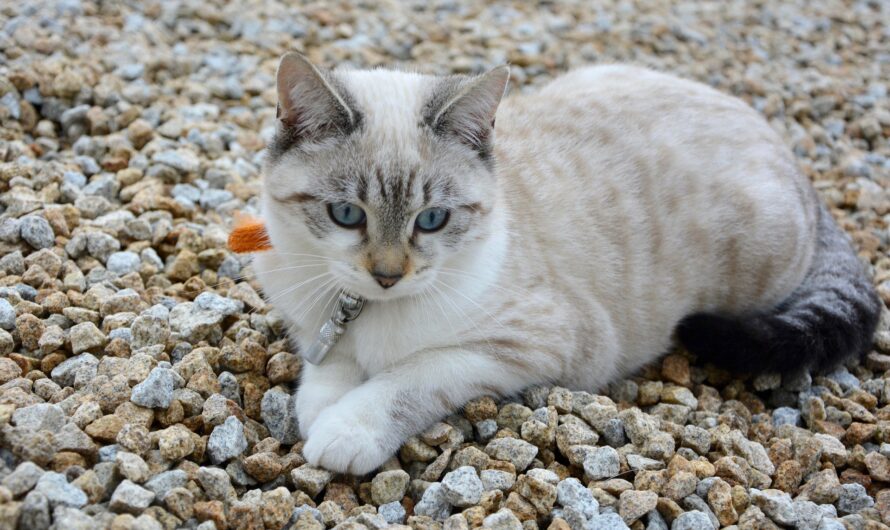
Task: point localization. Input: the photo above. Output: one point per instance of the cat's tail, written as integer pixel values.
(830, 318)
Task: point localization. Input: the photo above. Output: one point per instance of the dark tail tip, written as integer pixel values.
(809, 337)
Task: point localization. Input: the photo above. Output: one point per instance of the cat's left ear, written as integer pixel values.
(468, 109)
(309, 105)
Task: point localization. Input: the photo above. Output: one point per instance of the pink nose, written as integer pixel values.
(386, 280)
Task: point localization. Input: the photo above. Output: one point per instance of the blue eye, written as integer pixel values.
(432, 219)
(347, 214)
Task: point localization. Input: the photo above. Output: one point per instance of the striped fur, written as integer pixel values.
(607, 208)
(830, 318)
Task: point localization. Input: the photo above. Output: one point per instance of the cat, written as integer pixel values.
(613, 207)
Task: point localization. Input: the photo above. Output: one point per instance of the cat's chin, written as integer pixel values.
(374, 293)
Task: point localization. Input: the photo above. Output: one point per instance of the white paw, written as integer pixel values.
(340, 442)
(311, 400)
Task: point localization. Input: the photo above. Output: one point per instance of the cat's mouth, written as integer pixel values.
(377, 287)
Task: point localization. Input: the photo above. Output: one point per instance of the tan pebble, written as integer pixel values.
(675, 368)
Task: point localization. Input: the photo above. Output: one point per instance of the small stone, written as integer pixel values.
(462, 487)
(495, 479)
(216, 483)
(389, 486)
(132, 466)
(675, 368)
(277, 415)
(503, 519)
(157, 390)
(606, 521)
(694, 520)
(121, 263)
(518, 452)
(175, 443)
(34, 512)
(572, 494)
(39, 417)
(878, 466)
(634, 504)
(226, 441)
(37, 232)
(393, 512)
(276, 507)
(776, 505)
(264, 467)
(22, 479)
(7, 315)
(310, 479)
(86, 337)
(81, 367)
(58, 492)
(434, 503)
(853, 498)
(602, 463)
(163, 483)
(129, 497)
(786, 416)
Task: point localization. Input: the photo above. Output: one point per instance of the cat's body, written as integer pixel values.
(617, 203)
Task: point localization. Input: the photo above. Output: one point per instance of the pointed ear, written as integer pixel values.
(467, 108)
(309, 104)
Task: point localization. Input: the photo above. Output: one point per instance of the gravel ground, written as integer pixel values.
(145, 383)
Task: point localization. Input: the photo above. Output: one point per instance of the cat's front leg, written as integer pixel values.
(321, 386)
(367, 425)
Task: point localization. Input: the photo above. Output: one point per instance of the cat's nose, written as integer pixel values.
(386, 280)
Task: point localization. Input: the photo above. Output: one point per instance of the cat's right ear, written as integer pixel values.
(465, 109)
(309, 104)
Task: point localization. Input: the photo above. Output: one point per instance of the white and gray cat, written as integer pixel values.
(615, 206)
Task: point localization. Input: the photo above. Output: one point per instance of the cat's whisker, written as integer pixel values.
(295, 287)
(468, 299)
(319, 290)
(442, 308)
(300, 254)
(323, 292)
(280, 269)
(462, 313)
(465, 274)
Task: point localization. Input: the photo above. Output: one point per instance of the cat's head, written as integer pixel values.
(387, 177)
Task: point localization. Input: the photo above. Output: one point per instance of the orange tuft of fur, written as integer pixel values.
(249, 235)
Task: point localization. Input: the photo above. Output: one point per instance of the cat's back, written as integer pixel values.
(648, 168)
(630, 109)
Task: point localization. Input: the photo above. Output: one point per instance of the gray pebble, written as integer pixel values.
(35, 512)
(606, 521)
(278, 416)
(495, 479)
(570, 493)
(22, 479)
(462, 487)
(40, 417)
(157, 389)
(694, 520)
(601, 463)
(227, 440)
(786, 416)
(162, 483)
(37, 232)
(121, 263)
(129, 497)
(853, 499)
(393, 512)
(434, 503)
(59, 492)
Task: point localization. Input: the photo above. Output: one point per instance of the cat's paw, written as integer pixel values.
(342, 443)
(311, 400)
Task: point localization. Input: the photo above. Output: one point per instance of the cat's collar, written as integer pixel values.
(348, 308)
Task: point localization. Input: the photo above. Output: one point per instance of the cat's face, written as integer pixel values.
(384, 178)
